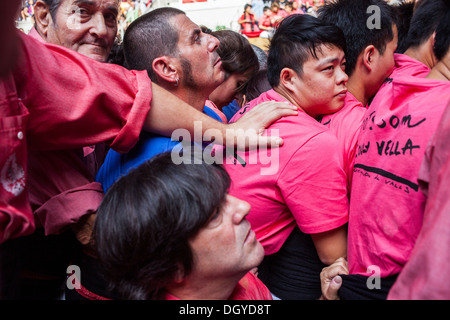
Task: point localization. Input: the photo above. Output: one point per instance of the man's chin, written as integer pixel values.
(94, 52)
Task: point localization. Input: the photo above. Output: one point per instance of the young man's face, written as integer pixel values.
(226, 246)
(321, 88)
(86, 26)
(199, 50)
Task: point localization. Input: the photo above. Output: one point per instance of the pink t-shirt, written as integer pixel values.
(386, 205)
(346, 124)
(405, 65)
(422, 277)
(248, 288)
(301, 183)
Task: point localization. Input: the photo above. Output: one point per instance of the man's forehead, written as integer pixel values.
(184, 25)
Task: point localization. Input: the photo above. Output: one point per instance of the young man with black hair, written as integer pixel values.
(419, 58)
(299, 200)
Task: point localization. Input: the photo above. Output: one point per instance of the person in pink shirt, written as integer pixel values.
(298, 195)
(248, 22)
(369, 61)
(419, 57)
(387, 204)
(277, 13)
(171, 231)
(421, 277)
(266, 21)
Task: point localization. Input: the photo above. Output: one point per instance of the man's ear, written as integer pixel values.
(369, 57)
(42, 18)
(165, 69)
(179, 275)
(287, 78)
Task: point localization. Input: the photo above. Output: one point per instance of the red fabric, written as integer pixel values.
(250, 29)
(67, 101)
(248, 288)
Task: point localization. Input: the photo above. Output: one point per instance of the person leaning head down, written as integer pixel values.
(167, 231)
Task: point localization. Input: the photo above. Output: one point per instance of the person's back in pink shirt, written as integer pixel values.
(386, 205)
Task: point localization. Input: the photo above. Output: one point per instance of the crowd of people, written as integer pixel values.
(261, 17)
(185, 163)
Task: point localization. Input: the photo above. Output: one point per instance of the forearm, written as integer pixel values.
(169, 113)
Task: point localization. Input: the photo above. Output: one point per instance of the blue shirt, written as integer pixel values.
(149, 145)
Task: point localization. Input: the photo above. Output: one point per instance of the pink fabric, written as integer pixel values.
(424, 275)
(346, 124)
(213, 107)
(405, 65)
(248, 288)
(301, 183)
(67, 101)
(386, 205)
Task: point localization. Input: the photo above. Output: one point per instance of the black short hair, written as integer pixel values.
(297, 38)
(426, 17)
(150, 36)
(146, 218)
(352, 17)
(442, 38)
(403, 15)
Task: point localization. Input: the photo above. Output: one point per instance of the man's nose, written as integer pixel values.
(99, 27)
(213, 43)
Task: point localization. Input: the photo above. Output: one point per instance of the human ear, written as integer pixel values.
(42, 17)
(165, 68)
(288, 78)
(369, 57)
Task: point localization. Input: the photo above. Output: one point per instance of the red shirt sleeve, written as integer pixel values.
(76, 101)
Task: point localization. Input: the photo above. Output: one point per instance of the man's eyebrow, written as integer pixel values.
(93, 4)
(328, 61)
(196, 32)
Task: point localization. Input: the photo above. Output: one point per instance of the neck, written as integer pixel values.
(192, 97)
(423, 53)
(356, 87)
(285, 93)
(441, 71)
(201, 288)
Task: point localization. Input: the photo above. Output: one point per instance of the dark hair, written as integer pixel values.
(403, 14)
(298, 38)
(146, 218)
(150, 36)
(427, 14)
(442, 38)
(236, 53)
(256, 85)
(261, 55)
(352, 16)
